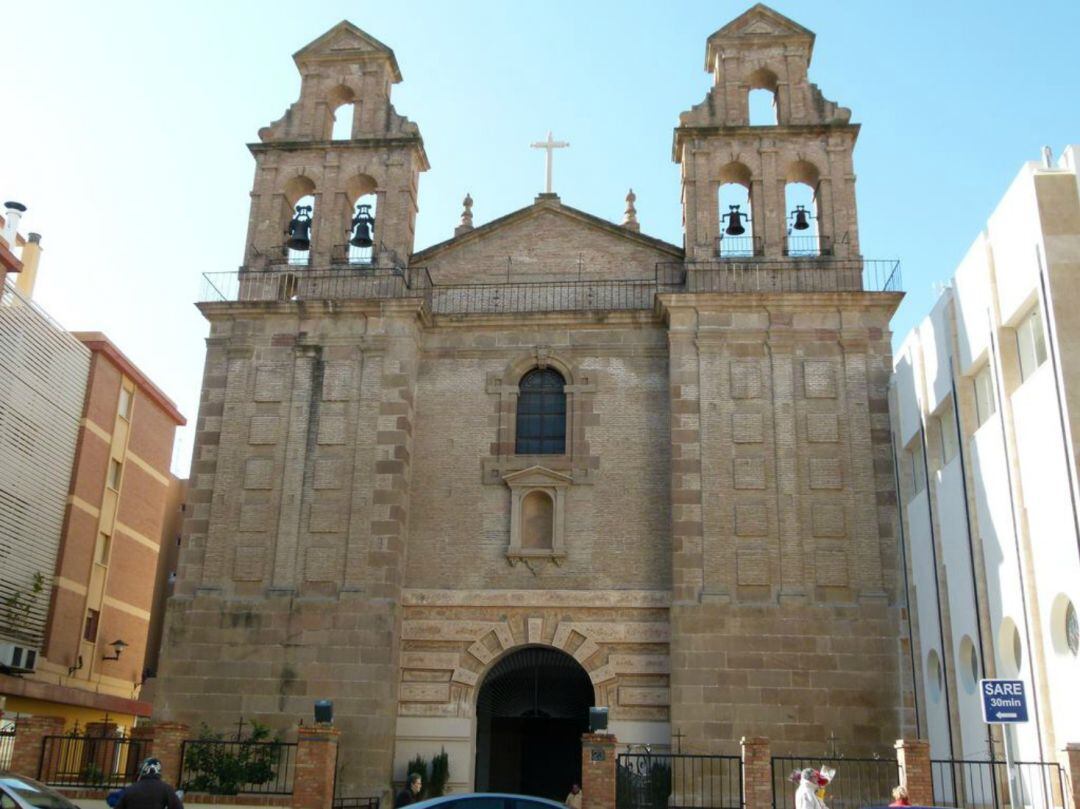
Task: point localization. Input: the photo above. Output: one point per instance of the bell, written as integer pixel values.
(735, 225)
(802, 218)
(300, 229)
(362, 223)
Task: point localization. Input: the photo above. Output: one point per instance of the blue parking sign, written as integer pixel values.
(1003, 701)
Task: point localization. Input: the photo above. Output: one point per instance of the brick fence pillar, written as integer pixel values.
(1072, 755)
(598, 771)
(316, 759)
(30, 733)
(756, 773)
(913, 757)
(142, 747)
(168, 738)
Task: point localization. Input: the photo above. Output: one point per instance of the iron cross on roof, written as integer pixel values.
(550, 145)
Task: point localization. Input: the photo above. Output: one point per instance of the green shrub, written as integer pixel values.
(440, 774)
(222, 769)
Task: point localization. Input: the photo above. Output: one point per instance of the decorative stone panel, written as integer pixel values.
(819, 379)
(332, 425)
(831, 563)
(248, 563)
(753, 566)
(264, 430)
(828, 519)
(327, 517)
(328, 473)
(253, 517)
(822, 427)
(749, 473)
(826, 473)
(259, 473)
(746, 428)
(745, 379)
(337, 381)
(751, 520)
(322, 564)
(270, 383)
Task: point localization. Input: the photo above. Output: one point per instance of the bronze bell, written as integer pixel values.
(363, 226)
(802, 218)
(300, 229)
(734, 217)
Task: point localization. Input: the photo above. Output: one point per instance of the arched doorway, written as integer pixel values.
(530, 714)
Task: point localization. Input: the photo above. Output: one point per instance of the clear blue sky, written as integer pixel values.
(125, 126)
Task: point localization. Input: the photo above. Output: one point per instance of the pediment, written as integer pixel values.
(346, 42)
(537, 476)
(546, 241)
(758, 24)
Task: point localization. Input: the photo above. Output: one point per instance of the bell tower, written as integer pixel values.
(809, 143)
(304, 159)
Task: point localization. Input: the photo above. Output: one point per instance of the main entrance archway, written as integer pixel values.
(530, 714)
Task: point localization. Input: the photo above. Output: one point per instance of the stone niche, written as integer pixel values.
(537, 515)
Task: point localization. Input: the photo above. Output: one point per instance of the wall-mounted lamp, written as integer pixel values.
(118, 647)
(76, 667)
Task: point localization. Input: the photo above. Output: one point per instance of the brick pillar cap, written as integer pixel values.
(600, 738)
(317, 731)
(169, 724)
(902, 743)
(754, 740)
(1073, 747)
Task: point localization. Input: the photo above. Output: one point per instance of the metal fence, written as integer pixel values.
(7, 746)
(994, 785)
(555, 296)
(677, 781)
(234, 767)
(90, 761)
(770, 276)
(355, 803)
(859, 782)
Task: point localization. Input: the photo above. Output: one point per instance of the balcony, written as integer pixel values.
(728, 247)
(751, 276)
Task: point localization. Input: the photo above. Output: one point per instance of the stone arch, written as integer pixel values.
(531, 710)
(340, 126)
(735, 196)
(763, 98)
(539, 358)
(359, 189)
(802, 178)
(763, 79)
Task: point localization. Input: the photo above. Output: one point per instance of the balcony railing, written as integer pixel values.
(738, 246)
(796, 246)
(729, 276)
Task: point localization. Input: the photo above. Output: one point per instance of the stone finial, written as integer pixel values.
(630, 217)
(466, 216)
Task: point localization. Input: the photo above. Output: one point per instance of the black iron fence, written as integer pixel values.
(995, 785)
(739, 246)
(797, 246)
(90, 761)
(355, 803)
(235, 767)
(556, 296)
(677, 781)
(859, 782)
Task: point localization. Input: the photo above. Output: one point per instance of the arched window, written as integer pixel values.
(800, 199)
(761, 101)
(343, 122)
(541, 414)
(735, 238)
(361, 241)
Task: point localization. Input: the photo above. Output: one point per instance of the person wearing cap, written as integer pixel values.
(150, 791)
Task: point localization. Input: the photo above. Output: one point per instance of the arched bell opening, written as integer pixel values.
(360, 247)
(761, 100)
(804, 237)
(735, 238)
(342, 102)
(299, 194)
(531, 711)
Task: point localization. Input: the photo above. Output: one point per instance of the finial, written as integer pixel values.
(630, 217)
(466, 216)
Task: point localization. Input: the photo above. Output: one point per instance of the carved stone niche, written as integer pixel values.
(537, 515)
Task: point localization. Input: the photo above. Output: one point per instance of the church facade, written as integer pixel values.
(468, 491)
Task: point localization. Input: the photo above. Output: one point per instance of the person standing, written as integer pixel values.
(411, 792)
(150, 791)
(573, 800)
(900, 797)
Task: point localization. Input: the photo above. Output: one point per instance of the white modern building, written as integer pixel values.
(986, 419)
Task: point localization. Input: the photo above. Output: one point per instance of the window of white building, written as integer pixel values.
(950, 443)
(918, 468)
(934, 679)
(984, 395)
(1030, 342)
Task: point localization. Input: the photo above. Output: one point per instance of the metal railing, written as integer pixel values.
(7, 746)
(859, 782)
(677, 781)
(355, 803)
(739, 246)
(969, 784)
(807, 246)
(90, 761)
(235, 767)
(765, 276)
(731, 276)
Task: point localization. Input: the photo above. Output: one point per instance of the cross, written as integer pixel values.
(239, 728)
(678, 736)
(550, 145)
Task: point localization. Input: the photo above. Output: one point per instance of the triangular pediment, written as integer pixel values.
(754, 25)
(346, 42)
(537, 476)
(544, 242)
